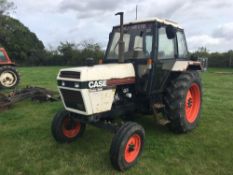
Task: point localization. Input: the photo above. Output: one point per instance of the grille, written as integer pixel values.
(70, 74)
(73, 99)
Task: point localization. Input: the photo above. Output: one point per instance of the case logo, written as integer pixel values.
(97, 84)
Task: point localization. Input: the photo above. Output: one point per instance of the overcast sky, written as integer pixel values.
(207, 23)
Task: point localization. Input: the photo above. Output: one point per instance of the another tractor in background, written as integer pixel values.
(9, 77)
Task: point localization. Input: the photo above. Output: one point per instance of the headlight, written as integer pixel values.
(76, 85)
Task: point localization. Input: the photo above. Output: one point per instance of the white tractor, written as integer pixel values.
(146, 69)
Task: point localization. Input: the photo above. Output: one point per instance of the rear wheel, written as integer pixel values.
(9, 77)
(127, 146)
(183, 100)
(65, 128)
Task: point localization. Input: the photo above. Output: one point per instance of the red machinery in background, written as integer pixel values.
(9, 77)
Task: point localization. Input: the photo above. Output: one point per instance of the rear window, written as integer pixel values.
(2, 56)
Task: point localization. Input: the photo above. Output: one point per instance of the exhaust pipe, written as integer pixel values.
(121, 41)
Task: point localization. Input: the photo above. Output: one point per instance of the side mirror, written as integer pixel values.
(171, 32)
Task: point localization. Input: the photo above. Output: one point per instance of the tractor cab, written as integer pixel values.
(155, 47)
(138, 46)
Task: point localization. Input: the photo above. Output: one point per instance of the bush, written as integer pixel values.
(216, 59)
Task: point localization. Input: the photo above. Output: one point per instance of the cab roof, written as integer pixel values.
(155, 19)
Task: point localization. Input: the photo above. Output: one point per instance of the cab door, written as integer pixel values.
(165, 54)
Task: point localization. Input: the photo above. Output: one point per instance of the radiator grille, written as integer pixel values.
(70, 74)
(73, 99)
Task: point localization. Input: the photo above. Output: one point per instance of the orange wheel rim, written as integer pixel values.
(132, 148)
(70, 127)
(192, 103)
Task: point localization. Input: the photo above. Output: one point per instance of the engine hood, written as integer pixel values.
(100, 72)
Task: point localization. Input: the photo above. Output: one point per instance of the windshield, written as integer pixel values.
(138, 42)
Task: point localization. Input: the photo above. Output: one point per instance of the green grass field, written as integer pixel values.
(27, 147)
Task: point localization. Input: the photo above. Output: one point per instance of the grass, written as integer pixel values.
(27, 147)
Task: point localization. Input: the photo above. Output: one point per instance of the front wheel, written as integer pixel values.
(65, 128)
(127, 146)
(183, 100)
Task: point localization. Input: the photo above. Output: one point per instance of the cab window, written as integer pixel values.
(138, 41)
(115, 44)
(182, 47)
(166, 47)
(2, 56)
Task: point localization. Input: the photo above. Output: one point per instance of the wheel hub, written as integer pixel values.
(192, 103)
(132, 148)
(70, 127)
(8, 78)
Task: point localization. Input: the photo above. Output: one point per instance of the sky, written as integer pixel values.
(207, 23)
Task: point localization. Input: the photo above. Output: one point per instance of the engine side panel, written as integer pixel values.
(96, 85)
(101, 101)
(101, 72)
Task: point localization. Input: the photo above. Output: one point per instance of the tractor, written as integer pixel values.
(9, 77)
(146, 69)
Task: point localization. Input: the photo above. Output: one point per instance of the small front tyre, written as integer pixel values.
(65, 128)
(127, 146)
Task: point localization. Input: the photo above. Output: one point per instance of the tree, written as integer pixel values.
(216, 59)
(6, 6)
(19, 41)
(66, 50)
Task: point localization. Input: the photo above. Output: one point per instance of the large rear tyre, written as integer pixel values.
(9, 77)
(127, 146)
(183, 100)
(65, 128)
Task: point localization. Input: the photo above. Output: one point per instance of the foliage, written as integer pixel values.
(21, 44)
(6, 6)
(25, 48)
(74, 54)
(216, 59)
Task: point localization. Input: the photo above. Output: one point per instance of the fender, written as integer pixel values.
(181, 66)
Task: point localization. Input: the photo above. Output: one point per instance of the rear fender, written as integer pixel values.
(181, 66)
